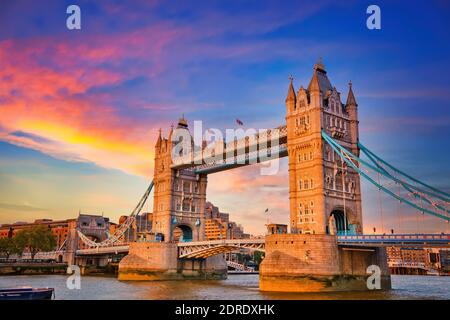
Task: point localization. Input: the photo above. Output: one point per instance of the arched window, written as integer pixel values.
(306, 184)
(311, 185)
(300, 185)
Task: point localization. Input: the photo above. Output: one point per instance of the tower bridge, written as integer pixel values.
(326, 249)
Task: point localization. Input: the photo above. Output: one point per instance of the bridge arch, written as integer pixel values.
(345, 220)
(182, 233)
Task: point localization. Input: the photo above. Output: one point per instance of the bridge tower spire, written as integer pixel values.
(179, 194)
(321, 188)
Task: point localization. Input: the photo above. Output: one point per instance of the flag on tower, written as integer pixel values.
(239, 122)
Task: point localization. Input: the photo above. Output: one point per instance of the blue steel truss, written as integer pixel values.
(353, 161)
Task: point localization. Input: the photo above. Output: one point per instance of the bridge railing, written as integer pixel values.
(395, 238)
(221, 242)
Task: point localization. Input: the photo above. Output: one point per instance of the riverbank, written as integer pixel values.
(39, 268)
(17, 268)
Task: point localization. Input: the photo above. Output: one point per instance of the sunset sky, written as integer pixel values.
(80, 109)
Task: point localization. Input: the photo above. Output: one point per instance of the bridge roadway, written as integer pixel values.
(202, 249)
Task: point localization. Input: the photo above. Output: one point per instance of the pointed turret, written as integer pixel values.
(158, 142)
(291, 92)
(291, 98)
(314, 83)
(170, 133)
(351, 101)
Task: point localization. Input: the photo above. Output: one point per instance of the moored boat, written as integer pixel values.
(26, 293)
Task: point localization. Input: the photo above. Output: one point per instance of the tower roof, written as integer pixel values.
(182, 123)
(319, 80)
(351, 101)
(291, 92)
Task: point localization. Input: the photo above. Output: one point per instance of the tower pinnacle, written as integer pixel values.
(291, 91)
(351, 101)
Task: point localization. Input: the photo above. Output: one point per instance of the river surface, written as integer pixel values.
(237, 286)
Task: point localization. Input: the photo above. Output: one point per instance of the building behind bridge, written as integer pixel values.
(217, 225)
(93, 225)
(406, 260)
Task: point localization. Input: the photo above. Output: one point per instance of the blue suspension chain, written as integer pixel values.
(339, 150)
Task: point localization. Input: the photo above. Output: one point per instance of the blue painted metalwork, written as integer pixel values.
(405, 185)
(396, 239)
(373, 157)
(362, 147)
(341, 150)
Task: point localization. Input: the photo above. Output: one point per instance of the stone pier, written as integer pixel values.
(159, 261)
(315, 263)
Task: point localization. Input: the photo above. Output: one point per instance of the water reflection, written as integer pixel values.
(240, 287)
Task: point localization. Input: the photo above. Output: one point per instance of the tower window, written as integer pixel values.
(300, 185)
(306, 184)
(302, 103)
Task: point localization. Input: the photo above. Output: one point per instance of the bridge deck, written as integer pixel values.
(202, 249)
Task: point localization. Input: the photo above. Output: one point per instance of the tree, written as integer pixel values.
(35, 239)
(258, 256)
(8, 246)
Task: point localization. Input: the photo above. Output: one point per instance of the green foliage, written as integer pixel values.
(8, 246)
(258, 256)
(35, 239)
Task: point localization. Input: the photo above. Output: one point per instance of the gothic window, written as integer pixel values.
(338, 184)
(311, 203)
(300, 185)
(176, 186)
(186, 186)
(305, 156)
(299, 157)
(186, 205)
(302, 103)
(332, 106)
(306, 184)
(307, 119)
(311, 185)
(178, 205)
(310, 155)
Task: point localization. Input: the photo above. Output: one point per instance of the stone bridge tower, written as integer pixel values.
(179, 195)
(324, 195)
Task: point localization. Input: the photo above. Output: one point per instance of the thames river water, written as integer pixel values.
(236, 287)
